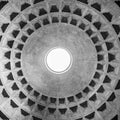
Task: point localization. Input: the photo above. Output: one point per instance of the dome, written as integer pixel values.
(59, 60)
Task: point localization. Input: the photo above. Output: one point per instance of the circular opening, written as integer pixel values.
(58, 60)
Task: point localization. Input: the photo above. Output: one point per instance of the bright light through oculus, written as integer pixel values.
(58, 60)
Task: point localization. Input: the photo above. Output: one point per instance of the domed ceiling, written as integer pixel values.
(89, 90)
